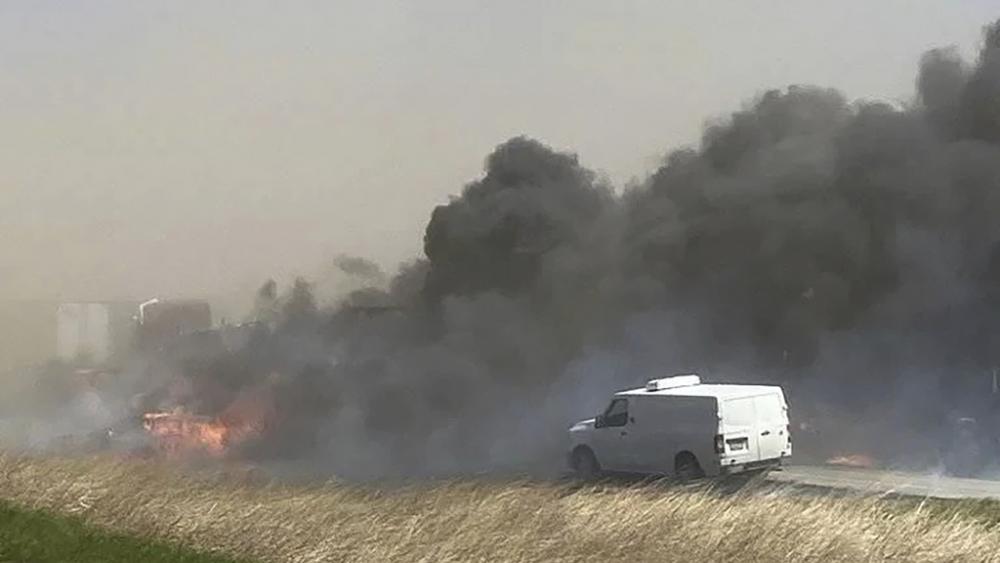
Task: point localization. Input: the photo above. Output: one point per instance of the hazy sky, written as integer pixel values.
(197, 147)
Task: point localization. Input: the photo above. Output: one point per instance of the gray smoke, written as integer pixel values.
(849, 250)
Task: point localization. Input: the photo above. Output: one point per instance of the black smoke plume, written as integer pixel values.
(850, 250)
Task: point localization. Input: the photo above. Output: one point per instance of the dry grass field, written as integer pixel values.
(494, 521)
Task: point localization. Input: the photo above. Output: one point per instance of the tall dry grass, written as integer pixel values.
(489, 521)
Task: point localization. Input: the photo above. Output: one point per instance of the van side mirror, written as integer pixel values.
(599, 421)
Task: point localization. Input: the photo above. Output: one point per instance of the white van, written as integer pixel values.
(679, 427)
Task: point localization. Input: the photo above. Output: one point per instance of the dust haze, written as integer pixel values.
(177, 151)
(844, 248)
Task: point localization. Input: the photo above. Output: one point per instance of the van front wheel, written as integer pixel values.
(585, 464)
(687, 468)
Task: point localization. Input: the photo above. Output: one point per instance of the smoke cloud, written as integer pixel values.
(848, 250)
(831, 245)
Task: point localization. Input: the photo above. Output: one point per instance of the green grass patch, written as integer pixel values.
(28, 536)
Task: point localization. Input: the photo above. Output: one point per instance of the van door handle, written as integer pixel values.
(765, 433)
(624, 433)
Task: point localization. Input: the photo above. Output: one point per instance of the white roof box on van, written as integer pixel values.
(672, 382)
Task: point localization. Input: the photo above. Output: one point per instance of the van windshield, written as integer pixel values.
(616, 413)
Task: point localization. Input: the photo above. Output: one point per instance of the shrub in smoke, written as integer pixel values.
(300, 305)
(940, 83)
(265, 308)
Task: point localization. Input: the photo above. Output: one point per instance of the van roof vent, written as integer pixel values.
(672, 382)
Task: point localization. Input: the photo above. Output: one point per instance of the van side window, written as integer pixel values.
(617, 413)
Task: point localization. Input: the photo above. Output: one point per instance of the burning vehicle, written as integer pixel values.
(169, 356)
(179, 433)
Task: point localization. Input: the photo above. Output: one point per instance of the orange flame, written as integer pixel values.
(853, 460)
(177, 434)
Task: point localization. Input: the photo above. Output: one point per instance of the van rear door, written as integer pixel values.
(739, 429)
(772, 424)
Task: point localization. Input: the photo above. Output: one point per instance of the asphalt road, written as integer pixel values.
(878, 481)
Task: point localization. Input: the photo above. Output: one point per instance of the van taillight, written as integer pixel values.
(720, 444)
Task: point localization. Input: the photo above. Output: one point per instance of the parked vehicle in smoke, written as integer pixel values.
(969, 445)
(682, 428)
(968, 448)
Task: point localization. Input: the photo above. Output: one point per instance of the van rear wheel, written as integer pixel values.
(585, 464)
(687, 468)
